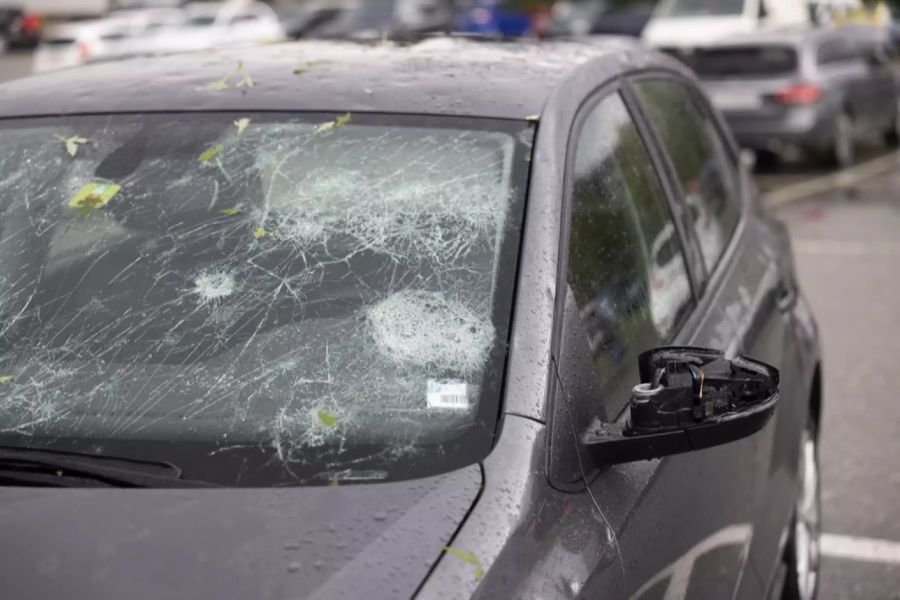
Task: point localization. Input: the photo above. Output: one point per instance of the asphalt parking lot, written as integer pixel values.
(848, 256)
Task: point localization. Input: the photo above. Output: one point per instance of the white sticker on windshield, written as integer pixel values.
(447, 393)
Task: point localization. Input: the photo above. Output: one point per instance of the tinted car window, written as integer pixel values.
(745, 61)
(243, 18)
(696, 8)
(315, 298)
(707, 174)
(626, 267)
(834, 51)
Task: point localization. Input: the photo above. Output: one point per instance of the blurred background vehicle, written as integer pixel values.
(153, 30)
(72, 44)
(494, 17)
(216, 24)
(680, 25)
(593, 17)
(18, 28)
(58, 9)
(816, 92)
(366, 19)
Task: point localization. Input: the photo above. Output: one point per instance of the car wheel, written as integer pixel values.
(843, 147)
(766, 160)
(892, 135)
(803, 546)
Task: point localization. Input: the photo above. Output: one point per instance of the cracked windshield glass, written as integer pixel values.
(259, 299)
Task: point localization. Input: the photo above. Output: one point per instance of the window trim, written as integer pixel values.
(617, 85)
(712, 280)
(665, 170)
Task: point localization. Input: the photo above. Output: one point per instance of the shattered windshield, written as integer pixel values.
(260, 299)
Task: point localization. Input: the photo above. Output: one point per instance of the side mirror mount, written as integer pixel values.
(688, 399)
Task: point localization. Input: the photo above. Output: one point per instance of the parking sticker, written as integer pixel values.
(447, 393)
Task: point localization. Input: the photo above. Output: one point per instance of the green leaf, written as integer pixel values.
(241, 125)
(301, 69)
(225, 82)
(215, 86)
(260, 232)
(327, 418)
(341, 120)
(230, 211)
(211, 153)
(468, 557)
(72, 143)
(6, 378)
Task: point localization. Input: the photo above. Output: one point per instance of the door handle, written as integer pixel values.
(786, 296)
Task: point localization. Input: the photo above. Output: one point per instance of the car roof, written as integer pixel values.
(797, 36)
(442, 76)
(784, 36)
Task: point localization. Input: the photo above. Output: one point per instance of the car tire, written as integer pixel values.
(767, 160)
(802, 552)
(842, 153)
(892, 135)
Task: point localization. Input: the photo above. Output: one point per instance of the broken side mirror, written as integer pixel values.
(688, 399)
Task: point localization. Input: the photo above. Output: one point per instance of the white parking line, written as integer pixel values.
(860, 548)
(846, 247)
(827, 183)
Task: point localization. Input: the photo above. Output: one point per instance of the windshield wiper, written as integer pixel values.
(53, 468)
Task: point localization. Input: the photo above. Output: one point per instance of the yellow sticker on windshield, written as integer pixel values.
(94, 195)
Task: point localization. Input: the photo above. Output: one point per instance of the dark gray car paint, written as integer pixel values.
(686, 524)
(276, 543)
(644, 527)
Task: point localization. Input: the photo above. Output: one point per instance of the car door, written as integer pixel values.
(745, 298)
(880, 82)
(682, 525)
(841, 70)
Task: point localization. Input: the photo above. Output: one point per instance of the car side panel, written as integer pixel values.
(684, 523)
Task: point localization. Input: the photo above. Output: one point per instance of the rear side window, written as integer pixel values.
(243, 18)
(836, 51)
(626, 266)
(707, 174)
(746, 62)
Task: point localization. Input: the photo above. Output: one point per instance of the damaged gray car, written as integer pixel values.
(449, 319)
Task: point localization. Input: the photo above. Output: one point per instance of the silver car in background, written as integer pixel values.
(805, 92)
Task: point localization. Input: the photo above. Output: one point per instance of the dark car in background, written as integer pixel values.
(18, 28)
(598, 17)
(386, 321)
(361, 19)
(819, 91)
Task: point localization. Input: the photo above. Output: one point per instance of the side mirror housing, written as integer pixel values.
(688, 399)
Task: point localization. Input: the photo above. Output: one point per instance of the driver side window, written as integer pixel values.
(626, 266)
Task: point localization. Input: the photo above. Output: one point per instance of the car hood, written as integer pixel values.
(376, 540)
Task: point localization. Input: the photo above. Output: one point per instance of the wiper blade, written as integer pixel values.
(40, 467)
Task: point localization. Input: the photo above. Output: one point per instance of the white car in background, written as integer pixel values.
(682, 25)
(150, 31)
(72, 44)
(119, 34)
(217, 24)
